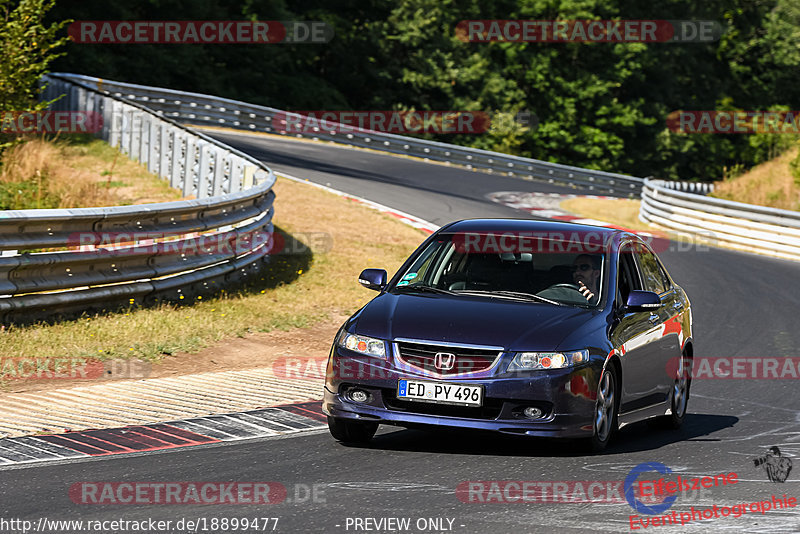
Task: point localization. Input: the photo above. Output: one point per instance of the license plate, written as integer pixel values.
(441, 393)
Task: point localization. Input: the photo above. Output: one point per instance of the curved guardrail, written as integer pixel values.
(139, 254)
(196, 108)
(698, 188)
(743, 226)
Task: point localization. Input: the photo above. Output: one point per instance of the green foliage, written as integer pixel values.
(795, 166)
(598, 105)
(29, 194)
(27, 47)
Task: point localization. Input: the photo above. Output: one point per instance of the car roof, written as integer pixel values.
(527, 225)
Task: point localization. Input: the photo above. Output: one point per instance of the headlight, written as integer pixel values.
(363, 344)
(531, 361)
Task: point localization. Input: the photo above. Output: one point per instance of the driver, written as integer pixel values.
(586, 274)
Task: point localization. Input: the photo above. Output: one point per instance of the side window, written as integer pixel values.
(664, 276)
(422, 265)
(653, 277)
(628, 278)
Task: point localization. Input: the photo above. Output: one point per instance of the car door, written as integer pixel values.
(636, 336)
(666, 345)
(655, 279)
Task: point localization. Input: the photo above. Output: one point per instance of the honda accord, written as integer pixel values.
(524, 327)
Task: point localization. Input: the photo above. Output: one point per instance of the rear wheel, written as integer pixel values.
(605, 413)
(351, 431)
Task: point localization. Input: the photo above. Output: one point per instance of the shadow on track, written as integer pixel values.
(638, 437)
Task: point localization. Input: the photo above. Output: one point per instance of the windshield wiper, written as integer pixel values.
(514, 294)
(424, 289)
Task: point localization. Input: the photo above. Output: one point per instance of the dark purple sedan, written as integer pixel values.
(522, 327)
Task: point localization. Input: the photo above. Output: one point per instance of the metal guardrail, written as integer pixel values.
(744, 226)
(698, 188)
(233, 201)
(196, 108)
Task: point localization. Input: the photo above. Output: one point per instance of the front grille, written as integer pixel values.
(466, 360)
(490, 410)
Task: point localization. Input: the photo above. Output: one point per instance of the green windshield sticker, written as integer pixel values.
(410, 276)
(403, 283)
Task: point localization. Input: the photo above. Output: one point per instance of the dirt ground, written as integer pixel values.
(249, 352)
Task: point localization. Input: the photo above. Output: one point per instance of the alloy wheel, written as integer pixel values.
(680, 392)
(604, 415)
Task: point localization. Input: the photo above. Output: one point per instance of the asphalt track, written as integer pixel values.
(744, 306)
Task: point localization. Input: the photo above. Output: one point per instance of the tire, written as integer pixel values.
(351, 431)
(679, 402)
(604, 421)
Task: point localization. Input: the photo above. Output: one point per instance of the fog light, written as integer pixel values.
(359, 395)
(532, 412)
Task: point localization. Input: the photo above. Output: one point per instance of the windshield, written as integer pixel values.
(495, 266)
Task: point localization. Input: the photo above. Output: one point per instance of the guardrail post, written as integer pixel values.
(154, 144)
(105, 132)
(188, 168)
(220, 160)
(134, 126)
(126, 131)
(144, 144)
(81, 99)
(249, 176)
(176, 159)
(235, 183)
(67, 102)
(163, 163)
(203, 173)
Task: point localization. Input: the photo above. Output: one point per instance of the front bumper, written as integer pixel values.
(565, 396)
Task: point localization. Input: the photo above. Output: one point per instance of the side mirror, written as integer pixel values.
(642, 301)
(373, 279)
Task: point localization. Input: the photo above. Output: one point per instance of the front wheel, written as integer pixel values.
(605, 413)
(680, 394)
(354, 432)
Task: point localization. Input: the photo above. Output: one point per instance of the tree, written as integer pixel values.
(27, 46)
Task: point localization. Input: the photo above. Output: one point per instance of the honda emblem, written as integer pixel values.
(444, 361)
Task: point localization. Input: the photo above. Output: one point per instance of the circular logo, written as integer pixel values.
(630, 481)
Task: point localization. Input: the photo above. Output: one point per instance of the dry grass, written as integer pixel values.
(323, 286)
(769, 184)
(623, 212)
(619, 211)
(75, 172)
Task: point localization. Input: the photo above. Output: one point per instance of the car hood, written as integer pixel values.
(513, 325)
